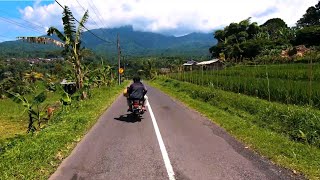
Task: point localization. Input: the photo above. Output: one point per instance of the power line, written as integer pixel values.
(4, 36)
(96, 12)
(94, 8)
(33, 24)
(103, 31)
(20, 25)
(85, 27)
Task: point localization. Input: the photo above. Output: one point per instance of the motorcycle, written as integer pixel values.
(136, 106)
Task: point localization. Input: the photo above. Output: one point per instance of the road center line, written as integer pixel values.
(161, 144)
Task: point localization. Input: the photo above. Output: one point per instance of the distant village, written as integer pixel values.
(35, 60)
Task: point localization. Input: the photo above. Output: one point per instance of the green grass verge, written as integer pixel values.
(37, 156)
(278, 147)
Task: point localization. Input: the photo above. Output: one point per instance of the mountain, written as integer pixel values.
(11, 49)
(133, 43)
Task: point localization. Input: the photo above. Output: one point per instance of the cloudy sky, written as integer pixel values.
(173, 17)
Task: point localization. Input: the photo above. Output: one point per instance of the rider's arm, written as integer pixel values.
(144, 90)
(130, 89)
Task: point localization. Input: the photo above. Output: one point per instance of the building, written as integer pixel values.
(214, 64)
(191, 64)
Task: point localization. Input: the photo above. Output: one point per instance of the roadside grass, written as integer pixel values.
(12, 120)
(279, 148)
(37, 156)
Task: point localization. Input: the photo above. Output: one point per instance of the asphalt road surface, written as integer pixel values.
(170, 142)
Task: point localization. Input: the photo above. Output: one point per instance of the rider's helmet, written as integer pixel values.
(136, 79)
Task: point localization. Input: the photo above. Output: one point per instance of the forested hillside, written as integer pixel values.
(133, 43)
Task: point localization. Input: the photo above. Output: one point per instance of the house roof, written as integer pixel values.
(190, 63)
(208, 62)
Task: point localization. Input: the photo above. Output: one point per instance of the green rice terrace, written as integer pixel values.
(297, 84)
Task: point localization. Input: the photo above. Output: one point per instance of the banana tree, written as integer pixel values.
(71, 38)
(36, 112)
(105, 72)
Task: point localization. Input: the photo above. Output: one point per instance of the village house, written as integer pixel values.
(214, 64)
(190, 65)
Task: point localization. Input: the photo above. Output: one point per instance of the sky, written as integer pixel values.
(171, 17)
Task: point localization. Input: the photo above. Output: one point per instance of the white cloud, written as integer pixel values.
(170, 15)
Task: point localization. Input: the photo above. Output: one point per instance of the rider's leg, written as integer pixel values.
(129, 103)
(145, 98)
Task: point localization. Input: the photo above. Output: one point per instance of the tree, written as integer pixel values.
(275, 23)
(232, 38)
(243, 25)
(273, 26)
(253, 30)
(311, 17)
(71, 38)
(73, 51)
(219, 35)
(309, 36)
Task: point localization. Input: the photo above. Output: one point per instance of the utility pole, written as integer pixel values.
(124, 62)
(119, 54)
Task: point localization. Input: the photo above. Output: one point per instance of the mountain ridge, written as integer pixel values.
(134, 43)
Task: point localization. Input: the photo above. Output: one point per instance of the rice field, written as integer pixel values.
(290, 83)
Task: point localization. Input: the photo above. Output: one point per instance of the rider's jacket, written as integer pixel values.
(137, 90)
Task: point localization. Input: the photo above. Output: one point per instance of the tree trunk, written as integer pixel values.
(30, 125)
(79, 75)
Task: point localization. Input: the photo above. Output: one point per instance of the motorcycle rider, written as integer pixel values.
(137, 90)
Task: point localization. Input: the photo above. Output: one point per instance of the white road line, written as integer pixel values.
(161, 144)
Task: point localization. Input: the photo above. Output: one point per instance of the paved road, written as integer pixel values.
(119, 147)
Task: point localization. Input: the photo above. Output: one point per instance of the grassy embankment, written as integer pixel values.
(37, 156)
(286, 134)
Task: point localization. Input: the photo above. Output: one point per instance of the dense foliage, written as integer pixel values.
(247, 40)
(309, 36)
(311, 17)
